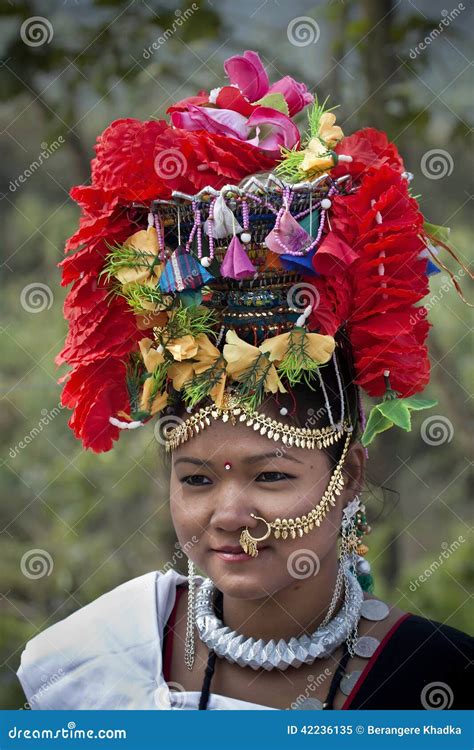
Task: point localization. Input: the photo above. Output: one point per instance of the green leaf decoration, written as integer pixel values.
(397, 412)
(393, 412)
(417, 404)
(376, 423)
(436, 231)
(310, 223)
(275, 101)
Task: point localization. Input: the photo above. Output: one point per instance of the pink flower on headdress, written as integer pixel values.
(248, 109)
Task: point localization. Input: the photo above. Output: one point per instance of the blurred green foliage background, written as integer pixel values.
(103, 519)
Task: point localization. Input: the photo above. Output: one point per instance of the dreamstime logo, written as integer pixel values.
(36, 297)
(302, 31)
(170, 164)
(180, 18)
(437, 430)
(312, 683)
(301, 295)
(303, 563)
(448, 550)
(436, 164)
(179, 554)
(164, 425)
(162, 695)
(36, 31)
(36, 563)
(448, 16)
(46, 684)
(47, 149)
(437, 696)
(445, 288)
(47, 417)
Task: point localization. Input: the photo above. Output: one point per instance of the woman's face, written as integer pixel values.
(211, 505)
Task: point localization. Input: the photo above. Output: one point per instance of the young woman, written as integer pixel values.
(308, 284)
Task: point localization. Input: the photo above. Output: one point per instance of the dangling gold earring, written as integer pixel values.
(189, 647)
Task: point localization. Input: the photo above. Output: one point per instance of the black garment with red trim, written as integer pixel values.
(423, 665)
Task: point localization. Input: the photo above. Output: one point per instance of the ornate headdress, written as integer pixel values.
(224, 256)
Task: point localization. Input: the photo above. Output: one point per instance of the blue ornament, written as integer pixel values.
(183, 271)
(300, 263)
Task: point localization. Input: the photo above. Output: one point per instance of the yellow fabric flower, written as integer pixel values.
(145, 241)
(317, 346)
(240, 356)
(328, 132)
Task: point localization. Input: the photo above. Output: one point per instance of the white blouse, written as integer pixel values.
(108, 654)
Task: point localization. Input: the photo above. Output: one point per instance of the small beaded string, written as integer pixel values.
(161, 239)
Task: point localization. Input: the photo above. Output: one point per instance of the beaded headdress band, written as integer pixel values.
(224, 249)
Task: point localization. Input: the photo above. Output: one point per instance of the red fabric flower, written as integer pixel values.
(96, 391)
(125, 164)
(370, 149)
(203, 158)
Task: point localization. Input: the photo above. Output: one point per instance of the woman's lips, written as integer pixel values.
(240, 556)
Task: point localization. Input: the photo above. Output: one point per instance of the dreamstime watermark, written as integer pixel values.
(436, 164)
(170, 163)
(445, 288)
(437, 430)
(36, 563)
(303, 563)
(46, 419)
(300, 295)
(448, 550)
(302, 31)
(313, 683)
(36, 297)
(46, 684)
(437, 696)
(36, 31)
(181, 17)
(448, 17)
(47, 149)
(164, 426)
(162, 695)
(181, 551)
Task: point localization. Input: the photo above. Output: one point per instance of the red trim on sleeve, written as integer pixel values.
(168, 650)
(347, 703)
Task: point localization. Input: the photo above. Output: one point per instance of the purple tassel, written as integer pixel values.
(236, 264)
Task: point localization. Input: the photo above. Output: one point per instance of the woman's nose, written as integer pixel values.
(233, 507)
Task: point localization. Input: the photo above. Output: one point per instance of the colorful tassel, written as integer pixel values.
(223, 221)
(236, 264)
(183, 271)
(288, 236)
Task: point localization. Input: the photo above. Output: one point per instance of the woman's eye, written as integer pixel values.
(277, 476)
(188, 480)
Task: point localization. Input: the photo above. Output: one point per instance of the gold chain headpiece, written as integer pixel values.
(236, 411)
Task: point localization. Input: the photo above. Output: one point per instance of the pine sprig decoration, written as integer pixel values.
(134, 380)
(190, 321)
(251, 385)
(289, 168)
(298, 365)
(140, 296)
(124, 256)
(202, 384)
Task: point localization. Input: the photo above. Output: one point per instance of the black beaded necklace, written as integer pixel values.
(211, 665)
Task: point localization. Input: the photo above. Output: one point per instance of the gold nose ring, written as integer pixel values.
(249, 542)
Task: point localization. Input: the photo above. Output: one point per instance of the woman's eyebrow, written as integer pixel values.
(248, 460)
